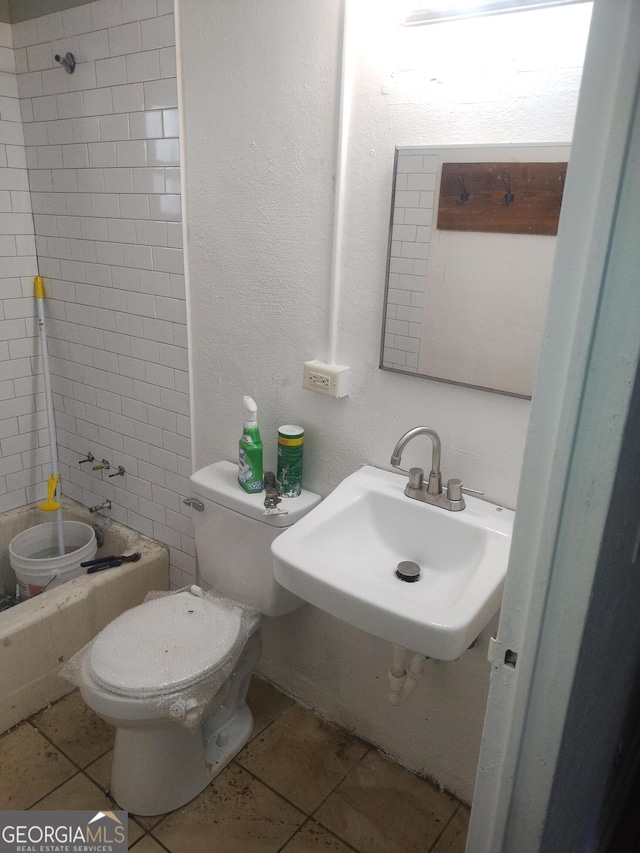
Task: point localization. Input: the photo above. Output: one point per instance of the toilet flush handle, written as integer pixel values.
(194, 503)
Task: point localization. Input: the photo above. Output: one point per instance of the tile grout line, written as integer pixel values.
(432, 849)
(333, 790)
(151, 835)
(61, 750)
(324, 828)
(309, 816)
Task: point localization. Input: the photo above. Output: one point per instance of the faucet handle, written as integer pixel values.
(416, 478)
(455, 489)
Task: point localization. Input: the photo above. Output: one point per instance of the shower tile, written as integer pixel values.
(94, 45)
(106, 13)
(132, 153)
(168, 260)
(302, 757)
(76, 20)
(102, 154)
(129, 98)
(143, 66)
(119, 180)
(138, 10)
(151, 233)
(69, 105)
(86, 129)
(30, 767)
(124, 39)
(158, 32)
(168, 61)
(163, 152)
(235, 812)
(73, 727)
(99, 102)
(111, 72)
(147, 125)
(159, 94)
(382, 808)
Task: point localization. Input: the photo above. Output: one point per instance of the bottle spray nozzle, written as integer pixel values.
(250, 411)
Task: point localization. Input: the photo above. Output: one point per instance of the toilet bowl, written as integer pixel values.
(172, 673)
(160, 674)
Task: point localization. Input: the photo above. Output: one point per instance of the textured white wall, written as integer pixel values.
(259, 88)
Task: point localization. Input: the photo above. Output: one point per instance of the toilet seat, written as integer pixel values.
(166, 644)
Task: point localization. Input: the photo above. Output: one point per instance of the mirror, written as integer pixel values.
(471, 248)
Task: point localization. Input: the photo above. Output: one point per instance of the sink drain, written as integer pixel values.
(408, 571)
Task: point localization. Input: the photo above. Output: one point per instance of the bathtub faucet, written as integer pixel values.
(104, 505)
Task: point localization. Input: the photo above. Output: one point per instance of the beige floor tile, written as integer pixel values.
(382, 808)
(266, 703)
(302, 757)
(74, 728)
(315, 839)
(235, 814)
(81, 793)
(147, 845)
(30, 767)
(454, 838)
(100, 770)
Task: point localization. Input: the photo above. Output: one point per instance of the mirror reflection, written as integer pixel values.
(471, 247)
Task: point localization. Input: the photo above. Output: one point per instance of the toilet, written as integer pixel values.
(172, 673)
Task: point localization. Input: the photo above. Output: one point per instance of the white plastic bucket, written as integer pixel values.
(34, 556)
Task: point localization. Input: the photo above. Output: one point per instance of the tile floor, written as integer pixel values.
(299, 786)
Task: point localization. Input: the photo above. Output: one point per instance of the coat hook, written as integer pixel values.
(464, 195)
(508, 197)
(68, 60)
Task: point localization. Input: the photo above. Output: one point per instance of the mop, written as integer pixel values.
(53, 482)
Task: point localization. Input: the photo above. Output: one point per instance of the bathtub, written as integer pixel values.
(39, 634)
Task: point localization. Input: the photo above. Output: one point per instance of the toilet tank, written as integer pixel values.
(234, 536)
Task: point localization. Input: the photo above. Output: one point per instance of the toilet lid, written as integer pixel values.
(165, 644)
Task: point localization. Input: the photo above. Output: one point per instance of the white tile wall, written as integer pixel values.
(103, 158)
(415, 183)
(23, 438)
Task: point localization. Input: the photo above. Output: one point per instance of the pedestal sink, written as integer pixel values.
(343, 557)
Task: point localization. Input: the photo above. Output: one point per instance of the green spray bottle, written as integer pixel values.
(250, 449)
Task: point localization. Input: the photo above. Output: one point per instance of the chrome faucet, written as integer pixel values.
(431, 493)
(434, 486)
(104, 505)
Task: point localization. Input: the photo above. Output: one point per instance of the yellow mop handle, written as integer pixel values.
(38, 285)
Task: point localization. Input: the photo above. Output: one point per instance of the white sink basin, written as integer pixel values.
(342, 558)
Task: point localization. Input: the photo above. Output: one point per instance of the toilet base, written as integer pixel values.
(155, 772)
(158, 769)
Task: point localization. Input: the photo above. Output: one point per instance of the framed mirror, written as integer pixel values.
(471, 247)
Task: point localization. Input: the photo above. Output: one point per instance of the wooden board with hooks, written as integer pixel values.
(509, 198)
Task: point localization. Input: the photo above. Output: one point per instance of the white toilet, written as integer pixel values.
(167, 673)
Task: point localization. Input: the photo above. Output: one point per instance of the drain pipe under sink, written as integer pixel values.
(403, 677)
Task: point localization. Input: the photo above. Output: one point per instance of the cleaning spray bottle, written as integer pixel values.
(250, 447)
